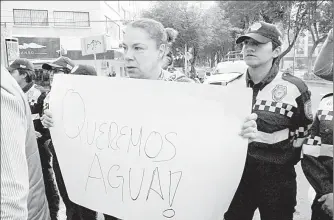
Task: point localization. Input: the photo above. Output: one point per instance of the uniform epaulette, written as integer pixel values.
(299, 83)
(327, 95)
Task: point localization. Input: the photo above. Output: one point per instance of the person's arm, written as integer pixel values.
(302, 122)
(14, 167)
(315, 156)
(323, 66)
(37, 109)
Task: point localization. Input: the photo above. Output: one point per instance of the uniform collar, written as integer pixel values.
(27, 87)
(265, 81)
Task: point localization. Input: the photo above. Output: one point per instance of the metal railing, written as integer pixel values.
(71, 19)
(30, 17)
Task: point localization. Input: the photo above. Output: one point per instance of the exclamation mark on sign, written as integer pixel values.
(173, 186)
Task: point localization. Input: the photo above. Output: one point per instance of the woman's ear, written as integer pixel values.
(162, 50)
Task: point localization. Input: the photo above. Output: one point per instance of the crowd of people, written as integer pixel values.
(281, 129)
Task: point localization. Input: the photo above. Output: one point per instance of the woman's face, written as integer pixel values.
(142, 56)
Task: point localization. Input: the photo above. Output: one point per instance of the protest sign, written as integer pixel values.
(147, 149)
(93, 45)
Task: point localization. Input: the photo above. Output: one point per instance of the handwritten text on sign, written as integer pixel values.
(140, 149)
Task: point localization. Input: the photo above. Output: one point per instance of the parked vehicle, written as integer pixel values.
(226, 72)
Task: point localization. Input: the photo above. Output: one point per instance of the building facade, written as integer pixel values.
(48, 29)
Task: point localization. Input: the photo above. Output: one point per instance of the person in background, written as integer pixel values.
(280, 120)
(73, 210)
(22, 70)
(145, 46)
(62, 65)
(317, 160)
(22, 186)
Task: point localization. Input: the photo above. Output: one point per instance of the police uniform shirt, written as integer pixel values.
(282, 103)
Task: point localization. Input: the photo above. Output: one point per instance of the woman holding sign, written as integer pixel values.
(145, 45)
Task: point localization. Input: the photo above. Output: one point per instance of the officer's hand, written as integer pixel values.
(249, 128)
(327, 206)
(46, 119)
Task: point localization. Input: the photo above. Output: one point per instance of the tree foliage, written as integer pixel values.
(180, 16)
(212, 32)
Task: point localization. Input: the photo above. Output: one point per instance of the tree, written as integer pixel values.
(289, 15)
(320, 21)
(183, 17)
(217, 34)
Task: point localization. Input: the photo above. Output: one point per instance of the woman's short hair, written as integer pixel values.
(156, 31)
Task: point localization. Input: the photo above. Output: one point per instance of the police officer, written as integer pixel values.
(280, 120)
(317, 161)
(23, 72)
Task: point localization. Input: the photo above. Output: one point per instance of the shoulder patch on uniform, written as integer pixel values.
(308, 109)
(279, 92)
(327, 95)
(299, 83)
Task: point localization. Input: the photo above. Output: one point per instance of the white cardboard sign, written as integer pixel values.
(144, 149)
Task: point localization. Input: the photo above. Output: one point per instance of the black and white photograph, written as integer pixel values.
(158, 110)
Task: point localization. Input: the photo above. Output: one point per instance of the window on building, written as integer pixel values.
(30, 17)
(71, 19)
(112, 29)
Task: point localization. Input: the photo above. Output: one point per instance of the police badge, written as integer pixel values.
(279, 92)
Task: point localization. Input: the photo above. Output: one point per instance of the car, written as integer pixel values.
(203, 72)
(226, 72)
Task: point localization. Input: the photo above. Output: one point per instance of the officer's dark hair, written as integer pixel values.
(29, 74)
